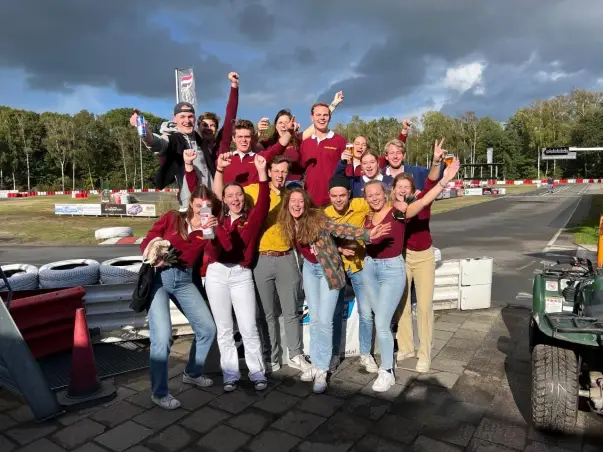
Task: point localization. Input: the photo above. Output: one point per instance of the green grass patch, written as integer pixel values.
(32, 221)
(587, 232)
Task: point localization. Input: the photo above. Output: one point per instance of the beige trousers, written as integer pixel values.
(420, 267)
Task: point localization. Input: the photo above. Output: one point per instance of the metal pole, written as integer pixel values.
(177, 92)
(140, 152)
(539, 151)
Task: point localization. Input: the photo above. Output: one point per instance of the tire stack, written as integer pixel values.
(20, 277)
(69, 273)
(122, 270)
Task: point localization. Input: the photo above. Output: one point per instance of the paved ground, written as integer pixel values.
(476, 398)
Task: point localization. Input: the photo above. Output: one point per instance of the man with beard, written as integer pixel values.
(172, 142)
(276, 272)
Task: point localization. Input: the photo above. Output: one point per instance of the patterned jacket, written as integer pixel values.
(327, 253)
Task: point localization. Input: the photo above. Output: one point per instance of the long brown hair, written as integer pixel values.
(398, 178)
(200, 192)
(311, 222)
(246, 203)
(275, 135)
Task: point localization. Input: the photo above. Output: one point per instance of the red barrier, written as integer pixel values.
(46, 319)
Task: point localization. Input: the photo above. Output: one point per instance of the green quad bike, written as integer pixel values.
(566, 329)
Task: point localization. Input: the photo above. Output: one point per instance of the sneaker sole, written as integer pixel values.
(319, 391)
(165, 407)
(196, 383)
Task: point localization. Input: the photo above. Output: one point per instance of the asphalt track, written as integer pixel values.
(518, 231)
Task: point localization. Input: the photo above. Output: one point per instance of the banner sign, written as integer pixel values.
(473, 191)
(113, 209)
(490, 155)
(558, 153)
(107, 209)
(185, 86)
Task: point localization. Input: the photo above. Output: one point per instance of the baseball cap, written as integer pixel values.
(183, 106)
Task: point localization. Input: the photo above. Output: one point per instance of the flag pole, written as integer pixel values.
(176, 76)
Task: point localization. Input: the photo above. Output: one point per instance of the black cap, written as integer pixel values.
(183, 107)
(339, 181)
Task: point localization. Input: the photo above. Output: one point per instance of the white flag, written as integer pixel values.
(185, 86)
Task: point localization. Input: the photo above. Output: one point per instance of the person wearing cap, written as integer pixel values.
(171, 148)
(354, 212)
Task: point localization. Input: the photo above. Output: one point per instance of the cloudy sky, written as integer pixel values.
(390, 57)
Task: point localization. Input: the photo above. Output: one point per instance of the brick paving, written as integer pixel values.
(476, 398)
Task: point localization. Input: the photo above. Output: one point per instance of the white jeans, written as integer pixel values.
(231, 286)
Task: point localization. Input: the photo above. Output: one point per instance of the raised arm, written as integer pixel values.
(231, 113)
(336, 101)
(282, 143)
(222, 162)
(152, 141)
(415, 207)
(351, 232)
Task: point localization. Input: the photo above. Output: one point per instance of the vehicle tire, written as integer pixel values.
(555, 388)
(69, 273)
(122, 270)
(111, 233)
(20, 277)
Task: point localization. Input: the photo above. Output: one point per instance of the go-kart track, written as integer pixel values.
(475, 398)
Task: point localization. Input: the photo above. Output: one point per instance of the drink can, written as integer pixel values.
(205, 213)
(141, 126)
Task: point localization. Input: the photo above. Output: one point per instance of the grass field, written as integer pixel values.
(32, 221)
(588, 231)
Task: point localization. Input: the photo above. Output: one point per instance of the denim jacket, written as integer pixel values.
(329, 257)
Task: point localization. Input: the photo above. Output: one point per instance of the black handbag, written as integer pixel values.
(141, 297)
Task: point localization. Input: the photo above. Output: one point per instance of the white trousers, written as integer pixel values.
(231, 286)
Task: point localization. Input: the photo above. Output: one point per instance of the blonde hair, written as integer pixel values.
(397, 143)
(309, 225)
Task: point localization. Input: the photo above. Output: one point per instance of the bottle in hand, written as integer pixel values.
(205, 213)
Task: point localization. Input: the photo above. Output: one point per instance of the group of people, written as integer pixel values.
(298, 214)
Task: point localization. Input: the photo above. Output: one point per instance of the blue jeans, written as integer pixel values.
(321, 307)
(364, 313)
(177, 284)
(384, 282)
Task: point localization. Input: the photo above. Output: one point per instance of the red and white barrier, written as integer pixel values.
(456, 183)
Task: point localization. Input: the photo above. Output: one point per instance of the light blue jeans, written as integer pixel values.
(321, 307)
(384, 281)
(364, 313)
(177, 284)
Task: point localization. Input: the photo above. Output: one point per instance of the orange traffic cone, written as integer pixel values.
(85, 386)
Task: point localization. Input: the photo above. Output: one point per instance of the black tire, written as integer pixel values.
(555, 389)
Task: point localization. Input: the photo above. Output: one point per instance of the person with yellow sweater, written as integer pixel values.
(351, 211)
(276, 273)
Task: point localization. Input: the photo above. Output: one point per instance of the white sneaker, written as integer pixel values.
(300, 362)
(384, 381)
(309, 374)
(401, 356)
(320, 382)
(369, 363)
(168, 402)
(274, 367)
(202, 381)
(334, 363)
(422, 366)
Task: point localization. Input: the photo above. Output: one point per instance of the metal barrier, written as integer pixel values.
(19, 371)
(110, 318)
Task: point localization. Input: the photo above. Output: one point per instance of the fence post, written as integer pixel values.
(600, 244)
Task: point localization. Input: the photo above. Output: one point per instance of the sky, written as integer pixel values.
(390, 57)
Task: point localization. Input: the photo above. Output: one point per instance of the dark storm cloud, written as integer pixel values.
(108, 43)
(378, 51)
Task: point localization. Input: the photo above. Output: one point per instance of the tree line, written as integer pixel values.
(52, 151)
